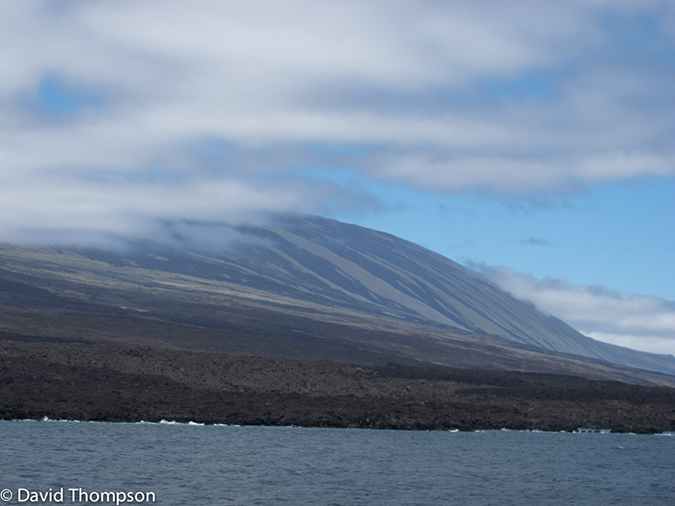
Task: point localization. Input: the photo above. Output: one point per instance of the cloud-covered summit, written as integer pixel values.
(118, 115)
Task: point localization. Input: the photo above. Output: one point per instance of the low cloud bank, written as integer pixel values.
(640, 322)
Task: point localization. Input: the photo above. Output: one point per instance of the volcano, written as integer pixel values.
(301, 287)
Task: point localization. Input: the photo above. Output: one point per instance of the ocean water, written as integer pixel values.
(178, 464)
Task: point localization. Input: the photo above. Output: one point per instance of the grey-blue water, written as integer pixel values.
(219, 465)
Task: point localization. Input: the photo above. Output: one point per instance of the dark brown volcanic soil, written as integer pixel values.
(97, 382)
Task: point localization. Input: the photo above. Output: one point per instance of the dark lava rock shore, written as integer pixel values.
(106, 383)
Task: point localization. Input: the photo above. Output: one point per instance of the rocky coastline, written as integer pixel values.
(130, 384)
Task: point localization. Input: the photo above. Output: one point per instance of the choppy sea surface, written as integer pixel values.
(222, 465)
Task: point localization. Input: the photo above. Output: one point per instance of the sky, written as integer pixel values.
(529, 140)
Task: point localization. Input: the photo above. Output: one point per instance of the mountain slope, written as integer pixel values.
(304, 283)
(332, 263)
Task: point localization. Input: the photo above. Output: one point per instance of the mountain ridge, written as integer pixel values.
(302, 282)
(429, 291)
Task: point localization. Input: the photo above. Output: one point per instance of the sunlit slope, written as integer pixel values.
(334, 263)
(307, 268)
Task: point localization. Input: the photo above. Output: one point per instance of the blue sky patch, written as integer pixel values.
(534, 86)
(57, 97)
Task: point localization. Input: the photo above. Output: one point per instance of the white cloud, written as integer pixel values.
(652, 344)
(407, 79)
(640, 322)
